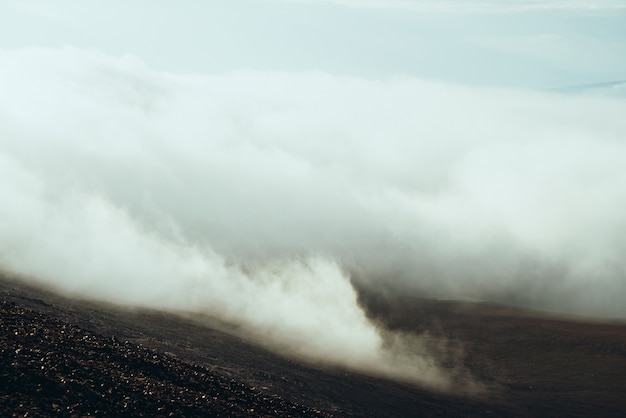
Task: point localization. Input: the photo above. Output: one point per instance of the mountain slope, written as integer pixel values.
(67, 357)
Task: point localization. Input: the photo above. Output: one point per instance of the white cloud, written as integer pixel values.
(254, 195)
(262, 164)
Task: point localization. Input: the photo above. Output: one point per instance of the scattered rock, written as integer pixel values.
(52, 368)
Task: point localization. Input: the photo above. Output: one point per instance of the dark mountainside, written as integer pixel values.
(62, 357)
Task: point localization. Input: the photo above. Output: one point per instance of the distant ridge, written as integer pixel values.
(582, 88)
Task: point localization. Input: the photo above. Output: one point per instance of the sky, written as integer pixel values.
(267, 161)
(535, 44)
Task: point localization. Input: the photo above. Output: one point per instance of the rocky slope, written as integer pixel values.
(64, 357)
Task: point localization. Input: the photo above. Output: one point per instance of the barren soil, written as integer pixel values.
(63, 357)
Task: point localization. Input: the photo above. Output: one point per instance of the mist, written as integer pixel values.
(271, 199)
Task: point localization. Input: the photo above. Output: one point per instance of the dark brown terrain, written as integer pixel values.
(62, 357)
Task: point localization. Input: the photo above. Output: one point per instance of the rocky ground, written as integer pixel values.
(63, 357)
(51, 368)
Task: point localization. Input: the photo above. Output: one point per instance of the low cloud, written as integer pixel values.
(270, 199)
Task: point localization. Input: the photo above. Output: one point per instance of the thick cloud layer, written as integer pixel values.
(264, 197)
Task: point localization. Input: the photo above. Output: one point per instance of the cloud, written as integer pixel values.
(562, 51)
(511, 6)
(83, 245)
(271, 199)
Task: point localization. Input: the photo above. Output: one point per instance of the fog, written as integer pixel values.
(271, 199)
